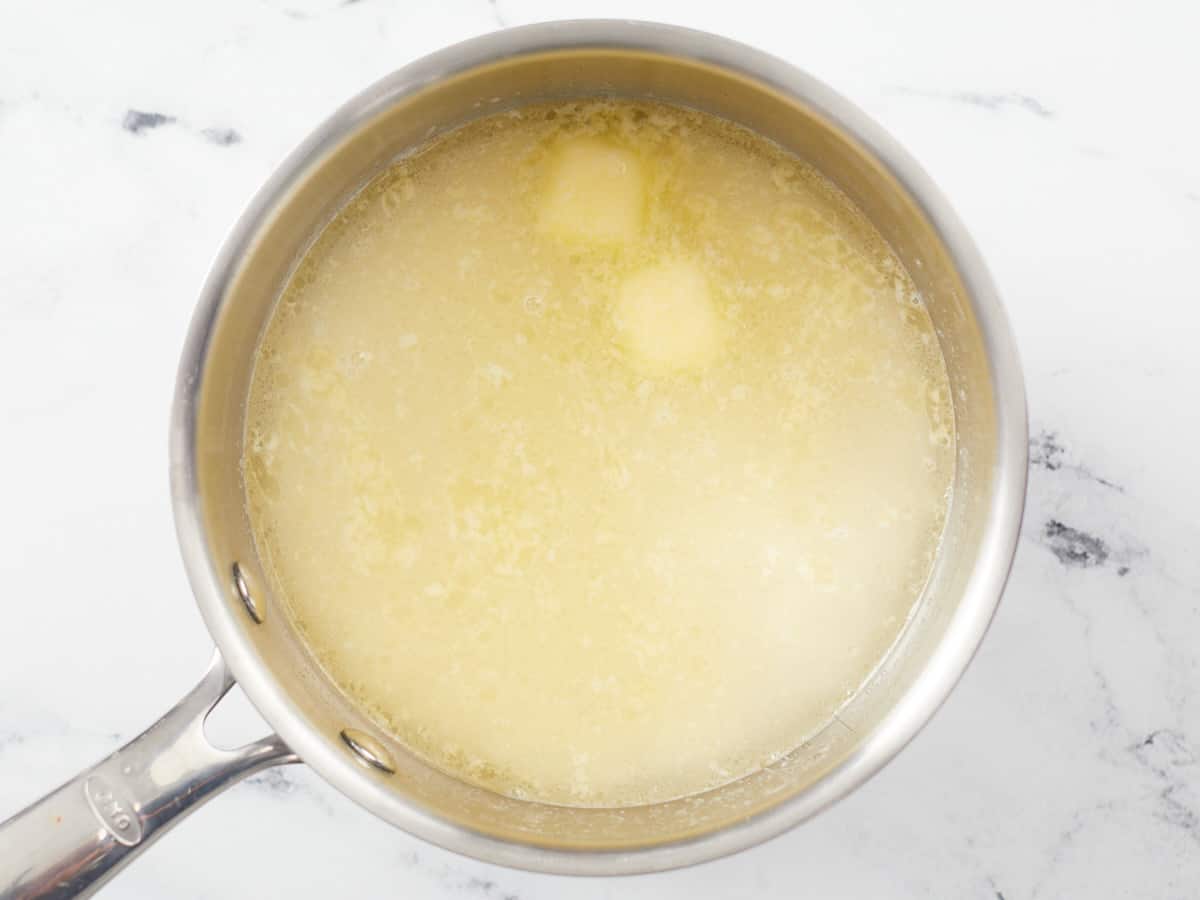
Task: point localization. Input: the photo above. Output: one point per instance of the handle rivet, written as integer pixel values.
(242, 588)
(369, 751)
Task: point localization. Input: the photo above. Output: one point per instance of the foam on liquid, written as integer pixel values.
(599, 451)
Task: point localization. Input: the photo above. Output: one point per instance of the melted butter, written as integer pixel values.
(599, 451)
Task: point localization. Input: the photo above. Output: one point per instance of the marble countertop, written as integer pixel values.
(1067, 763)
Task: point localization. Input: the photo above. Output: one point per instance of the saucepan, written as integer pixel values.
(73, 840)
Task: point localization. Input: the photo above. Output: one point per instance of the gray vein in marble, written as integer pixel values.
(1177, 812)
(136, 121)
(1162, 752)
(993, 102)
(457, 880)
(274, 781)
(1165, 756)
(1000, 101)
(1110, 720)
(1112, 716)
(1077, 548)
(1047, 452)
(991, 882)
(1163, 748)
(222, 137)
(487, 888)
(498, 14)
(1079, 822)
(1074, 547)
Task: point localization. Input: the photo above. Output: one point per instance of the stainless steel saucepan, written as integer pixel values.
(71, 842)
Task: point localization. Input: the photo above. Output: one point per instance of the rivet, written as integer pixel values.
(242, 588)
(368, 750)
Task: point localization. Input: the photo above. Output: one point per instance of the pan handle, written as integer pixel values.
(72, 841)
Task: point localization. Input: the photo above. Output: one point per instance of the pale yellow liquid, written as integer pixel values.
(600, 452)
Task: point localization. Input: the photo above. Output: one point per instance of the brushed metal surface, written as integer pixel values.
(75, 839)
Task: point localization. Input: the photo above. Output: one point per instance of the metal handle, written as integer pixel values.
(72, 841)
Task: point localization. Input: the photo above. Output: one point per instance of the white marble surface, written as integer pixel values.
(1067, 764)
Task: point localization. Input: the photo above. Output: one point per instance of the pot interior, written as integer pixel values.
(292, 691)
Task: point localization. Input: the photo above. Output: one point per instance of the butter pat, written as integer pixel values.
(666, 318)
(595, 192)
